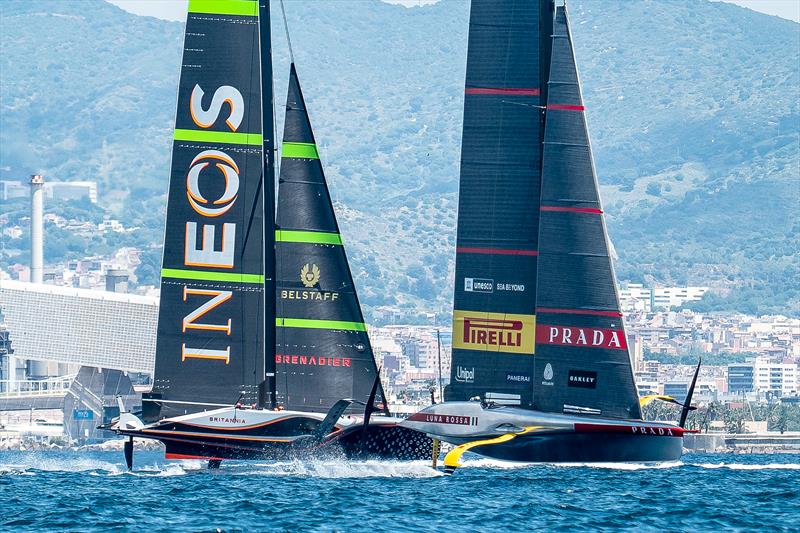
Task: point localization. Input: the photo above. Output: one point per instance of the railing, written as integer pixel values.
(44, 387)
(87, 397)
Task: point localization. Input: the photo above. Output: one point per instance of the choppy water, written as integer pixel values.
(92, 491)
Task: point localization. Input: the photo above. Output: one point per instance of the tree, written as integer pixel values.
(734, 420)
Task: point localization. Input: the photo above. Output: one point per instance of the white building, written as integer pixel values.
(762, 375)
(636, 297)
(80, 327)
(71, 190)
(779, 378)
(668, 297)
(14, 189)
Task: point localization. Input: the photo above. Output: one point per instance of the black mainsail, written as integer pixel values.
(582, 361)
(537, 328)
(210, 348)
(323, 352)
(536, 319)
(498, 213)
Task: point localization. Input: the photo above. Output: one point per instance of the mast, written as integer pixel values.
(498, 213)
(323, 353)
(210, 343)
(582, 361)
(439, 362)
(267, 393)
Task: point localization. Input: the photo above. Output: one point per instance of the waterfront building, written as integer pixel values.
(762, 375)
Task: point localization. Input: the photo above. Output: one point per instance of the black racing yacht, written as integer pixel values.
(540, 364)
(262, 350)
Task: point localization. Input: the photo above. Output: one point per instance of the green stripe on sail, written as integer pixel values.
(218, 137)
(247, 8)
(300, 150)
(211, 276)
(315, 237)
(319, 324)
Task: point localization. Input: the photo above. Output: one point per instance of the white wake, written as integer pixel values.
(336, 469)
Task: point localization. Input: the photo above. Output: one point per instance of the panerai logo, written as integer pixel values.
(465, 376)
(548, 375)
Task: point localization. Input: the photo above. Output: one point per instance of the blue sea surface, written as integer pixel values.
(92, 491)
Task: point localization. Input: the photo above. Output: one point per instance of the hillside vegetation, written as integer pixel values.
(693, 108)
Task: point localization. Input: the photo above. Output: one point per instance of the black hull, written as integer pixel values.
(585, 448)
(380, 442)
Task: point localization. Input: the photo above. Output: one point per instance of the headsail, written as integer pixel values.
(323, 353)
(582, 362)
(210, 347)
(498, 213)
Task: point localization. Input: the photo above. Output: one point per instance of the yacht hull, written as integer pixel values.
(583, 448)
(226, 434)
(514, 434)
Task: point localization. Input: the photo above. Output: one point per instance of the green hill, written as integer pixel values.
(693, 107)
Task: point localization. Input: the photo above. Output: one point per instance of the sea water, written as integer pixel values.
(93, 491)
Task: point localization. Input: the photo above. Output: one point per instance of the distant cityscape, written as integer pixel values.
(49, 333)
(746, 357)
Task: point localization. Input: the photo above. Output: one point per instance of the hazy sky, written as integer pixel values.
(176, 9)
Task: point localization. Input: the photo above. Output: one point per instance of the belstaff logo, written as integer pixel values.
(494, 332)
(309, 275)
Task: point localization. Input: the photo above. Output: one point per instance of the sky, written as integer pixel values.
(176, 9)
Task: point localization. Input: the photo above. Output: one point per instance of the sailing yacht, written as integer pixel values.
(540, 364)
(244, 370)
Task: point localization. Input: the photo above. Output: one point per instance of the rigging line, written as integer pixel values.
(286, 28)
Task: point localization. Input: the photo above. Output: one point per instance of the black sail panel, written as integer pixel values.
(210, 347)
(323, 353)
(582, 361)
(498, 211)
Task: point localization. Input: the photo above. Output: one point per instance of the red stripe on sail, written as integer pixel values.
(591, 210)
(566, 107)
(494, 251)
(510, 91)
(553, 310)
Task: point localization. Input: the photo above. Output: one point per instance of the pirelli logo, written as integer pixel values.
(494, 332)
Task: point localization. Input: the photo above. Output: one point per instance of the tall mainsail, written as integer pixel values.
(564, 345)
(498, 212)
(210, 347)
(582, 362)
(323, 353)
